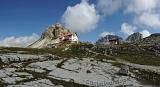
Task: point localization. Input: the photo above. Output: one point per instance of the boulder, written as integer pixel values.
(124, 70)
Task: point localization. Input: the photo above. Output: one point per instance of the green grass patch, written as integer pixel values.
(147, 77)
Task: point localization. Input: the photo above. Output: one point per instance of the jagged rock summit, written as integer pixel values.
(152, 40)
(53, 35)
(135, 37)
(53, 31)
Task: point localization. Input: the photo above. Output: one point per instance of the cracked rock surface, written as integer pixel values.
(39, 71)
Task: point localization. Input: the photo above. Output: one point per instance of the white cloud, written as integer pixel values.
(145, 33)
(81, 17)
(127, 28)
(19, 41)
(150, 20)
(129, 6)
(146, 13)
(138, 6)
(103, 34)
(109, 6)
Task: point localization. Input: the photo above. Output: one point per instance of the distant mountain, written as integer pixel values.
(109, 39)
(155, 35)
(134, 37)
(153, 39)
(54, 35)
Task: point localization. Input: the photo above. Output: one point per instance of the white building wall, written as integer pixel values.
(74, 38)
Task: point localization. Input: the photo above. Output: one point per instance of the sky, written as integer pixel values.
(23, 21)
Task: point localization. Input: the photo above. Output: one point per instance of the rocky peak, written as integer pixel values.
(155, 35)
(54, 34)
(134, 37)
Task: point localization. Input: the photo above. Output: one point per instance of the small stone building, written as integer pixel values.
(114, 41)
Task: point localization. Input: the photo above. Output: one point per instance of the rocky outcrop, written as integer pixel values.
(53, 31)
(124, 70)
(54, 35)
(155, 35)
(152, 40)
(134, 37)
(50, 36)
(44, 69)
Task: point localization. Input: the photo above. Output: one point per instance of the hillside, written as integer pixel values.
(79, 65)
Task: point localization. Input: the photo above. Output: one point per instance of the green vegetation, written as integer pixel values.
(138, 54)
(132, 53)
(144, 55)
(151, 78)
(65, 50)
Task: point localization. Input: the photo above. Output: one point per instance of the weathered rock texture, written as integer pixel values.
(54, 35)
(134, 37)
